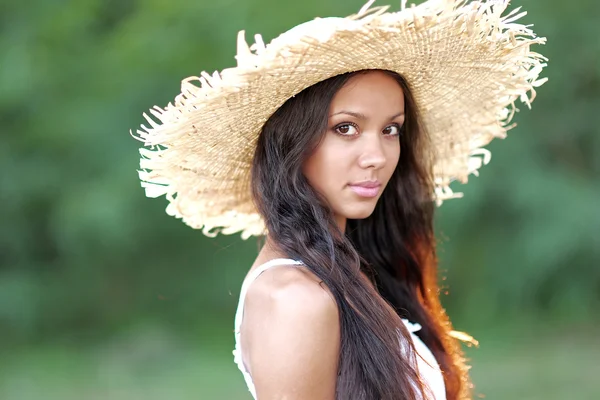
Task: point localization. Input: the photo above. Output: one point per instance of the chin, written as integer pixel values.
(359, 212)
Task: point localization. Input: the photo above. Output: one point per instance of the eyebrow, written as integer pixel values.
(363, 116)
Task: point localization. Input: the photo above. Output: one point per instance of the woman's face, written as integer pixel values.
(360, 150)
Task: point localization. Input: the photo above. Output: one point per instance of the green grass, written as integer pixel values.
(153, 364)
(560, 365)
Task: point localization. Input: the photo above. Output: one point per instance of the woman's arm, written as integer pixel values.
(292, 336)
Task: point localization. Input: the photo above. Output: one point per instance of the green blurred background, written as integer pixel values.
(104, 296)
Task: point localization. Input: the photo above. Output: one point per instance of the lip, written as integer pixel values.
(366, 189)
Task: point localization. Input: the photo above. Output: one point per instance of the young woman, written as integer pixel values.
(351, 208)
(330, 142)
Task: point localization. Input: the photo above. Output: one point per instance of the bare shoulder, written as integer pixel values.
(290, 296)
(290, 334)
(290, 286)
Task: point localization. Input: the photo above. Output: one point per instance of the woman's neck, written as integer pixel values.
(341, 222)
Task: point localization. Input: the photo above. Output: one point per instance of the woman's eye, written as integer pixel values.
(392, 130)
(346, 129)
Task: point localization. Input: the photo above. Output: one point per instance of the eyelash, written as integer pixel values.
(335, 128)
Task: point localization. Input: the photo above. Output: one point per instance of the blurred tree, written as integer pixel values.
(82, 250)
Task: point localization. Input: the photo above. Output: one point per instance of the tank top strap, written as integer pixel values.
(251, 278)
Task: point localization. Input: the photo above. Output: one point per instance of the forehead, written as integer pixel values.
(374, 91)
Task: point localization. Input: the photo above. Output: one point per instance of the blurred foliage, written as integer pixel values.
(104, 296)
(83, 253)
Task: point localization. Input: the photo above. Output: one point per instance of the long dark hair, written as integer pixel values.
(394, 248)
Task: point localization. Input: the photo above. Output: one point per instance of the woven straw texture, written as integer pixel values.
(467, 65)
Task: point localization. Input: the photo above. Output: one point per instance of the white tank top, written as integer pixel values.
(427, 366)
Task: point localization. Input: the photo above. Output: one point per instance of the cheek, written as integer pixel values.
(395, 158)
(392, 158)
(315, 170)
(323, 168)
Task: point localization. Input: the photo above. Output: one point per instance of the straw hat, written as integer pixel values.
(466, 63)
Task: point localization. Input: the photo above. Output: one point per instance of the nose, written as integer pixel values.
(372, 154)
